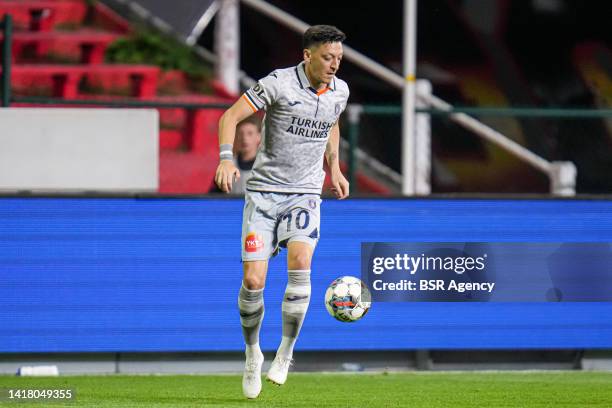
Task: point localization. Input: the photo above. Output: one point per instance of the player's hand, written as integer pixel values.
(340, 185)
(226, 174)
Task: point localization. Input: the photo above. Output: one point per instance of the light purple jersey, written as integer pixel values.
(295, 130)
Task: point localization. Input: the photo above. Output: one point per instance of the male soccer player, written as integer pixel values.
(302, 104)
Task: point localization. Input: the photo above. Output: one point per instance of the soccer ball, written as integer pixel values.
(347, 299)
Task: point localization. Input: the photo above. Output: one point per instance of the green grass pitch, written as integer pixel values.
(421, 389)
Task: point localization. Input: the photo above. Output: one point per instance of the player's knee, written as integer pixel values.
(254, 276)
(253, 282)
(299, 260)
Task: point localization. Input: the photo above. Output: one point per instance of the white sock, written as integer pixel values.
(252, 350)
(295, 305)
(251, 307)
(286, 347)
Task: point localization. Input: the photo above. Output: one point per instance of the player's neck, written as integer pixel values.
(248, 156)
(317, 86)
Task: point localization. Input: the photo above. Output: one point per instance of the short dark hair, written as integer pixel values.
(251, 120)
(321, 34)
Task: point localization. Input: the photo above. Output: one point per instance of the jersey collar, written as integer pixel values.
(300, 71)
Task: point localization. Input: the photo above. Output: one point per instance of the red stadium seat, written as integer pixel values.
(85, 46)
(44, 15)
(64, 79)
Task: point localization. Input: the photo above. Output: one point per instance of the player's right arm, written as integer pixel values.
(227, 171)
(260, 96)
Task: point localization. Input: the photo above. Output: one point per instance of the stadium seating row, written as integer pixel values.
(85, 46)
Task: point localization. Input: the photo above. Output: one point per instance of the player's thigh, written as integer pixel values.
(299, 255)
(254, 274)
(300, 221)
(258, 228)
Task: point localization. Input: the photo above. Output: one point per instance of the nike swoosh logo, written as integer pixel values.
(294, 298)
(294, 103)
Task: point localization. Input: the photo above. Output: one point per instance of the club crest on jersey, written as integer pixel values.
(253, 242)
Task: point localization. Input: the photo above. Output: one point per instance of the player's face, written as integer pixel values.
(322, 62)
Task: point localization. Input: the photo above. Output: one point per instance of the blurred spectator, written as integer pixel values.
(248, 137)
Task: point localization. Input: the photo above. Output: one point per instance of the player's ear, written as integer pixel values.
(307, 54)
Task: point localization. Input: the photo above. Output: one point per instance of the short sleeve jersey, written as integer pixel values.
(295, 130)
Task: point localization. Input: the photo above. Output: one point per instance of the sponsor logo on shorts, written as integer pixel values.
(253, 242)
(312, 203)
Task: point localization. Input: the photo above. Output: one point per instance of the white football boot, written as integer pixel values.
(279, 369)
(251, 379)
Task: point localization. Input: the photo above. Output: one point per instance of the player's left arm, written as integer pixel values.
(340, 185)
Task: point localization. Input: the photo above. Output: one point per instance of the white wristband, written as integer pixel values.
(225, 152)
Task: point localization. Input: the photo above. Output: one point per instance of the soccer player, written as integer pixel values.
(302, 104)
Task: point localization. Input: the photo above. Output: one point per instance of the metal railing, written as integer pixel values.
(558, 113)
(552, 168)
(7, 31)
(37, 100)
(429, 100)
(435, 106)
